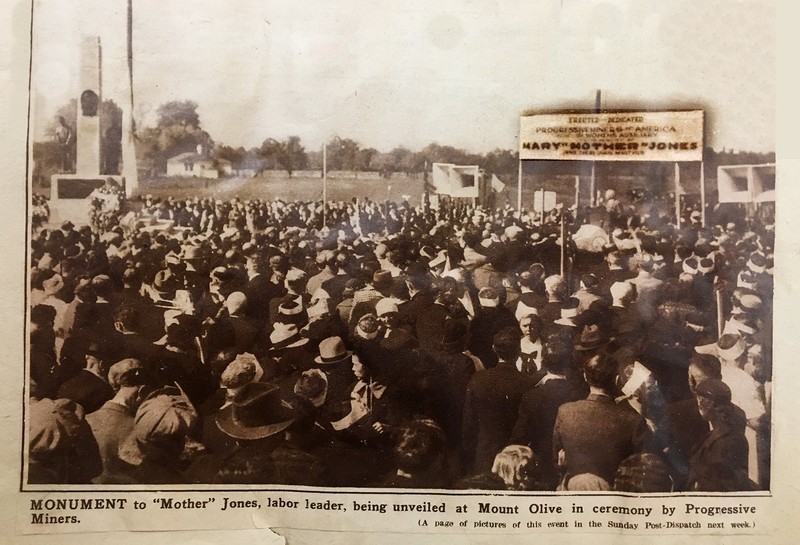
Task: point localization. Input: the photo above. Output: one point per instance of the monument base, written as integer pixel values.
(70, 196)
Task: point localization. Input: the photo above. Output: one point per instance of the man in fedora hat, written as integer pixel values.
(255, 419)
(336, 362)
(90, 387)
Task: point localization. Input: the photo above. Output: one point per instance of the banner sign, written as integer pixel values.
(627, 136)
(455, 180)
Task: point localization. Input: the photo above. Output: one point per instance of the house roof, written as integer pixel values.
(189, 156)
(195, 158)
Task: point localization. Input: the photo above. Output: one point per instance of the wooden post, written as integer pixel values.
(324, 184)
(720, 324)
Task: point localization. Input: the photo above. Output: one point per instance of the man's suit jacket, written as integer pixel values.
(724, 446)
(260, 291)
(686, 429)
(537, 417)
(596, 434)
(411, 310)
(490, 411)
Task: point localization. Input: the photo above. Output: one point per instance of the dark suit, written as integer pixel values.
(260, 291)
(609, 277)
(490, 410)
(537, 418)
(487, 323)
(686, 429)
(411, 310)
(725, 445)
(596, 434)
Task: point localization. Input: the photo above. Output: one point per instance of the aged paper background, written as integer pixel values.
(782, 507)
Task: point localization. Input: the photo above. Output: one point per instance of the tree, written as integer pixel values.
(289, 154)
(110, 116)
(501, 161)
(343, 154)
(177, 130)
(364, 158)
(235, 156)
(181, 113)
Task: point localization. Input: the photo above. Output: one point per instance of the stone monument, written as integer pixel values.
(70, 194)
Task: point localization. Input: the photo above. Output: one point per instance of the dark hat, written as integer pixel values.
(714, 390)
(398, 339)
(382, 280)
(454, 335)
(256, 411)
(43, 315)
(99, 349)
(332, 350)
(291, 311)
(591, 337)
(589, 281)
(165, 283)
(193, 256)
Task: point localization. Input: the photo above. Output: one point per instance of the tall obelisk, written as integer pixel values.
(88, 121)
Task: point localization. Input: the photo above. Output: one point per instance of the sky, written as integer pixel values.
(409, 73)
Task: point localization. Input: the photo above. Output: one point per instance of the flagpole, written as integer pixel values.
(677, 177)
(702, 194)
(129, 170)
(519, 188)
(324, 184)
(563, 241)
(577, 192)
(593, 182)
(543, 204)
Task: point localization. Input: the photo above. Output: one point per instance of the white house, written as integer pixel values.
(191, 164)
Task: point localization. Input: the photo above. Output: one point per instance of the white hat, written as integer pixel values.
(385, 306)
(621, 289)
(732, 352)
(488, 297)
(524, 310)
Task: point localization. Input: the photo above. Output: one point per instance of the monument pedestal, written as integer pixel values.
(70, 196)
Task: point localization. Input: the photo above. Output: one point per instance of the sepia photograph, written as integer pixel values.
(518, 247)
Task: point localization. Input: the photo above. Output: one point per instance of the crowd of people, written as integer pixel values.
(384, 345)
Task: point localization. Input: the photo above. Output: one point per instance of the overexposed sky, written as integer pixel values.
(409, 73)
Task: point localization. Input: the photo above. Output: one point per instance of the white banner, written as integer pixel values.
(628, 136)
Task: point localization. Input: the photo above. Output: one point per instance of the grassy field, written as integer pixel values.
(307, 188)
(283, 187)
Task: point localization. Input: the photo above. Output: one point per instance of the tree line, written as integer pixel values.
(178, 129)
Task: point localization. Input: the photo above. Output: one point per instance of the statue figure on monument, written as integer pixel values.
(65, 138)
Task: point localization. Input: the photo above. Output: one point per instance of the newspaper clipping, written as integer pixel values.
(376, 269)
